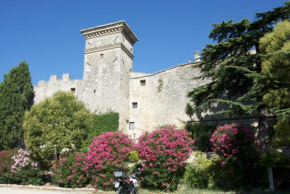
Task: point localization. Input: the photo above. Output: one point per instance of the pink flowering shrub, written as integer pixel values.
(70, 171)
(236, 148)
(230, 141)
(22, 160)
(24, 170)
(163, 153)
(108, 152)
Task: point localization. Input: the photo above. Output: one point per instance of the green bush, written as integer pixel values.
(5, 163)
(201, 133)
(102, 123)
(198, 174)
(57, 123)
(272, 158)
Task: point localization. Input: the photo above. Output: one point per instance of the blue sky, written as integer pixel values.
(46, 33)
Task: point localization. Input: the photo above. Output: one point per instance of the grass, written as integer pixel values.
(186, 190)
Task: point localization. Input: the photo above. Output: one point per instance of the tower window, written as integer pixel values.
(94, 91)
(134, 105)
(143, 82)
(131, 125)
(102, 55)
(73, 90)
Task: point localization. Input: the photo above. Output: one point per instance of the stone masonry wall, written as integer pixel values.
(107, 66)
(162, 100)
(45, 89)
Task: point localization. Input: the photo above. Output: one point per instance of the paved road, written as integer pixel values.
(41, 190)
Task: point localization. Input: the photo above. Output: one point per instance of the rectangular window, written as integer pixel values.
(73, 90)
(134, 105)
(131, 125)
(143, 82)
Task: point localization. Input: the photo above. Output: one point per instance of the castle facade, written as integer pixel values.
(142, 100)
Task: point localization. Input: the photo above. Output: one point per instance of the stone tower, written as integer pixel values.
(107, 67)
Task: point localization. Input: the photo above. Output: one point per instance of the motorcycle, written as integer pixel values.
(126, 184)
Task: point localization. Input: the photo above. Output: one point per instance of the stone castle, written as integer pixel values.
(142, 100)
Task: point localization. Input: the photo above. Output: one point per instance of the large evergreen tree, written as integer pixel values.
(16, 97)
(276, 63)
(233, 70)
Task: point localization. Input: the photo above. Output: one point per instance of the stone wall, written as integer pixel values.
(45, 89)
(163, 98)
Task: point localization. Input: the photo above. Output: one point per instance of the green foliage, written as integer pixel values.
(225, 178)
(189, 111)
(70, 171)
(282, 131)
(5, 163)
(16, 97)
(102, 123)
(234, 71)
(198, 174)
(133, 156)
(276, 46)
(160, 85)
(273, 158)
(201, 133)
(54, 124)
(27, 176)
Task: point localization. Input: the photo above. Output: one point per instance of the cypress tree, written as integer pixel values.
(16, 97)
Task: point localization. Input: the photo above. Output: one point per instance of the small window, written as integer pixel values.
(102, 55)
(131, 125)
(143, 82)
(73, 90)
(134, 105)
(94, 91)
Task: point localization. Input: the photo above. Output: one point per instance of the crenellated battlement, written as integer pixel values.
(45, 89)
(66, 77)
(53, 78)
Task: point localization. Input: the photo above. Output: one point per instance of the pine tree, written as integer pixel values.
(233, 70)
(16, 97)
(276, 62)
